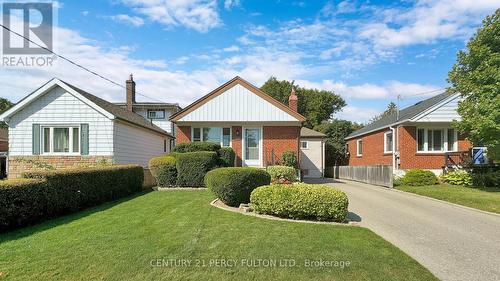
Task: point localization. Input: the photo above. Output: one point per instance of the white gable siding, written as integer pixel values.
(238, 104)
(134, 145)
(446, 112)
(59, 107)
(165, 124)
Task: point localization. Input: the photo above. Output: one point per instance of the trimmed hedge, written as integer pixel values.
(417, 177)
(196, 146)
(301, 201)
(47, 194)
(460, 177)
(486, 176)
(289, 159)
(226, 157)
(192, 167)
(233, 185)
(282, 174)
(164, 170)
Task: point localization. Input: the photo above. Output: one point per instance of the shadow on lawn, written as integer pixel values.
(53, 222)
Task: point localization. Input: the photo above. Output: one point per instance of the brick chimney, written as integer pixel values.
(130, 85)
(293, 100)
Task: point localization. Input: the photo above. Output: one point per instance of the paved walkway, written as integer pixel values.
(454, 243)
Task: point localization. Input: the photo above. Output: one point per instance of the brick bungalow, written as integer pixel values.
(239, 115)
(418, 137)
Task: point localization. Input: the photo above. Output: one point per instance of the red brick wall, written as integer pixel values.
(373, 150)
(183, 134)
(281, 139)
(410, 159)
(236, 143)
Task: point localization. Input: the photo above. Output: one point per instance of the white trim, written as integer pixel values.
(44, 89)
(444, 132)
(253, 163)
(357, 147)
(385, 142)
(221, 134)
(51, 140)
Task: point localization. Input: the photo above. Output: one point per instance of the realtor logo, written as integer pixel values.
(36, 21)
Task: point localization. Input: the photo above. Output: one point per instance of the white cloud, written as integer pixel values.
(357, 114)
(133, 20)
(232, 48)
(200, 15)
(228, 4)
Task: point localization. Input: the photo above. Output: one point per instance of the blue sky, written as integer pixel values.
(178, 50)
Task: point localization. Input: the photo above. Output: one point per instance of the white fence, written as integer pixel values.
(378, 175)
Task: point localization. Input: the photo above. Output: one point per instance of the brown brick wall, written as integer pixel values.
(373, 150)
(281, 139)
(4, 146)
(20, 164)
(236, 143)
(183, 134)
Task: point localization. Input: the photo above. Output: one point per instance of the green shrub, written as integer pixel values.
(164, 170)
(192, 167)
(226, 157)
(289, 159)
(301, 201)
(22, 202)
(282, 174)
(417, 177)
(196, 146)
(47, 194)
(486, 177)
(460, 177)
(233, 185)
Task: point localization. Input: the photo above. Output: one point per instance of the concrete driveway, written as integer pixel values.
(454, 243)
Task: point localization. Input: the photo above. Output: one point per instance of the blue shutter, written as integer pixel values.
(84, 137)
(36, 139)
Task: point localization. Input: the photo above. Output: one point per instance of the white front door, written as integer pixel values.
(252, 147)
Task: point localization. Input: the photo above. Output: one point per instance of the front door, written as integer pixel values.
(251, 147)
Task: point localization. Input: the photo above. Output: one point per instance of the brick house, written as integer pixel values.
(60, 125)
(418, 137)
(239, 115)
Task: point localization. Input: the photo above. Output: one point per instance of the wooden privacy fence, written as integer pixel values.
(378, 175)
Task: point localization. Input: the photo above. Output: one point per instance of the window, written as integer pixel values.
(304, 145)
(60, 139)
(164, 145)
(436, 140)
(156, 114)
(388, 142)
(212, 134)
(226, 137)
(359, 147)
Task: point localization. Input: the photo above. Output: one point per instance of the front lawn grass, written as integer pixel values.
(120, 241)
(486, 199)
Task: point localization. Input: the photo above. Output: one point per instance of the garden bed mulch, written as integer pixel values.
(219, 204)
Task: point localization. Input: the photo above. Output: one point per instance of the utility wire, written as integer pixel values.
(74, 63)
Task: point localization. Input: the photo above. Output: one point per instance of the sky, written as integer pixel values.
(369, 52)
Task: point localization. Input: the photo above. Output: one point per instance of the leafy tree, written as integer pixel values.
(476, 75)
(336, 131)
(4, 105)
(315, 105)
(391, 109)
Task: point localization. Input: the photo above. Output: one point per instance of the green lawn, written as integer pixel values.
(119, 241)
(487, 199)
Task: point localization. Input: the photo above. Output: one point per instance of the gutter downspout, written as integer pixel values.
(393, 130)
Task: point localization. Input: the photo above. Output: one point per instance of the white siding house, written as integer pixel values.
(61, 125)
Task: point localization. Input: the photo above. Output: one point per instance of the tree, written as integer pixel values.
(4, 105)
(315, 105)
(476, 75)
(336, 131)
(391, 109)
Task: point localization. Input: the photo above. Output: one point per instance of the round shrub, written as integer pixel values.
(196, 146)
(226, 157)
(193, 166)
(289, 159)
(460, 177)
(301, 201)
(233, 185)
(282, 174)
(417, 177)
(164, 170)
